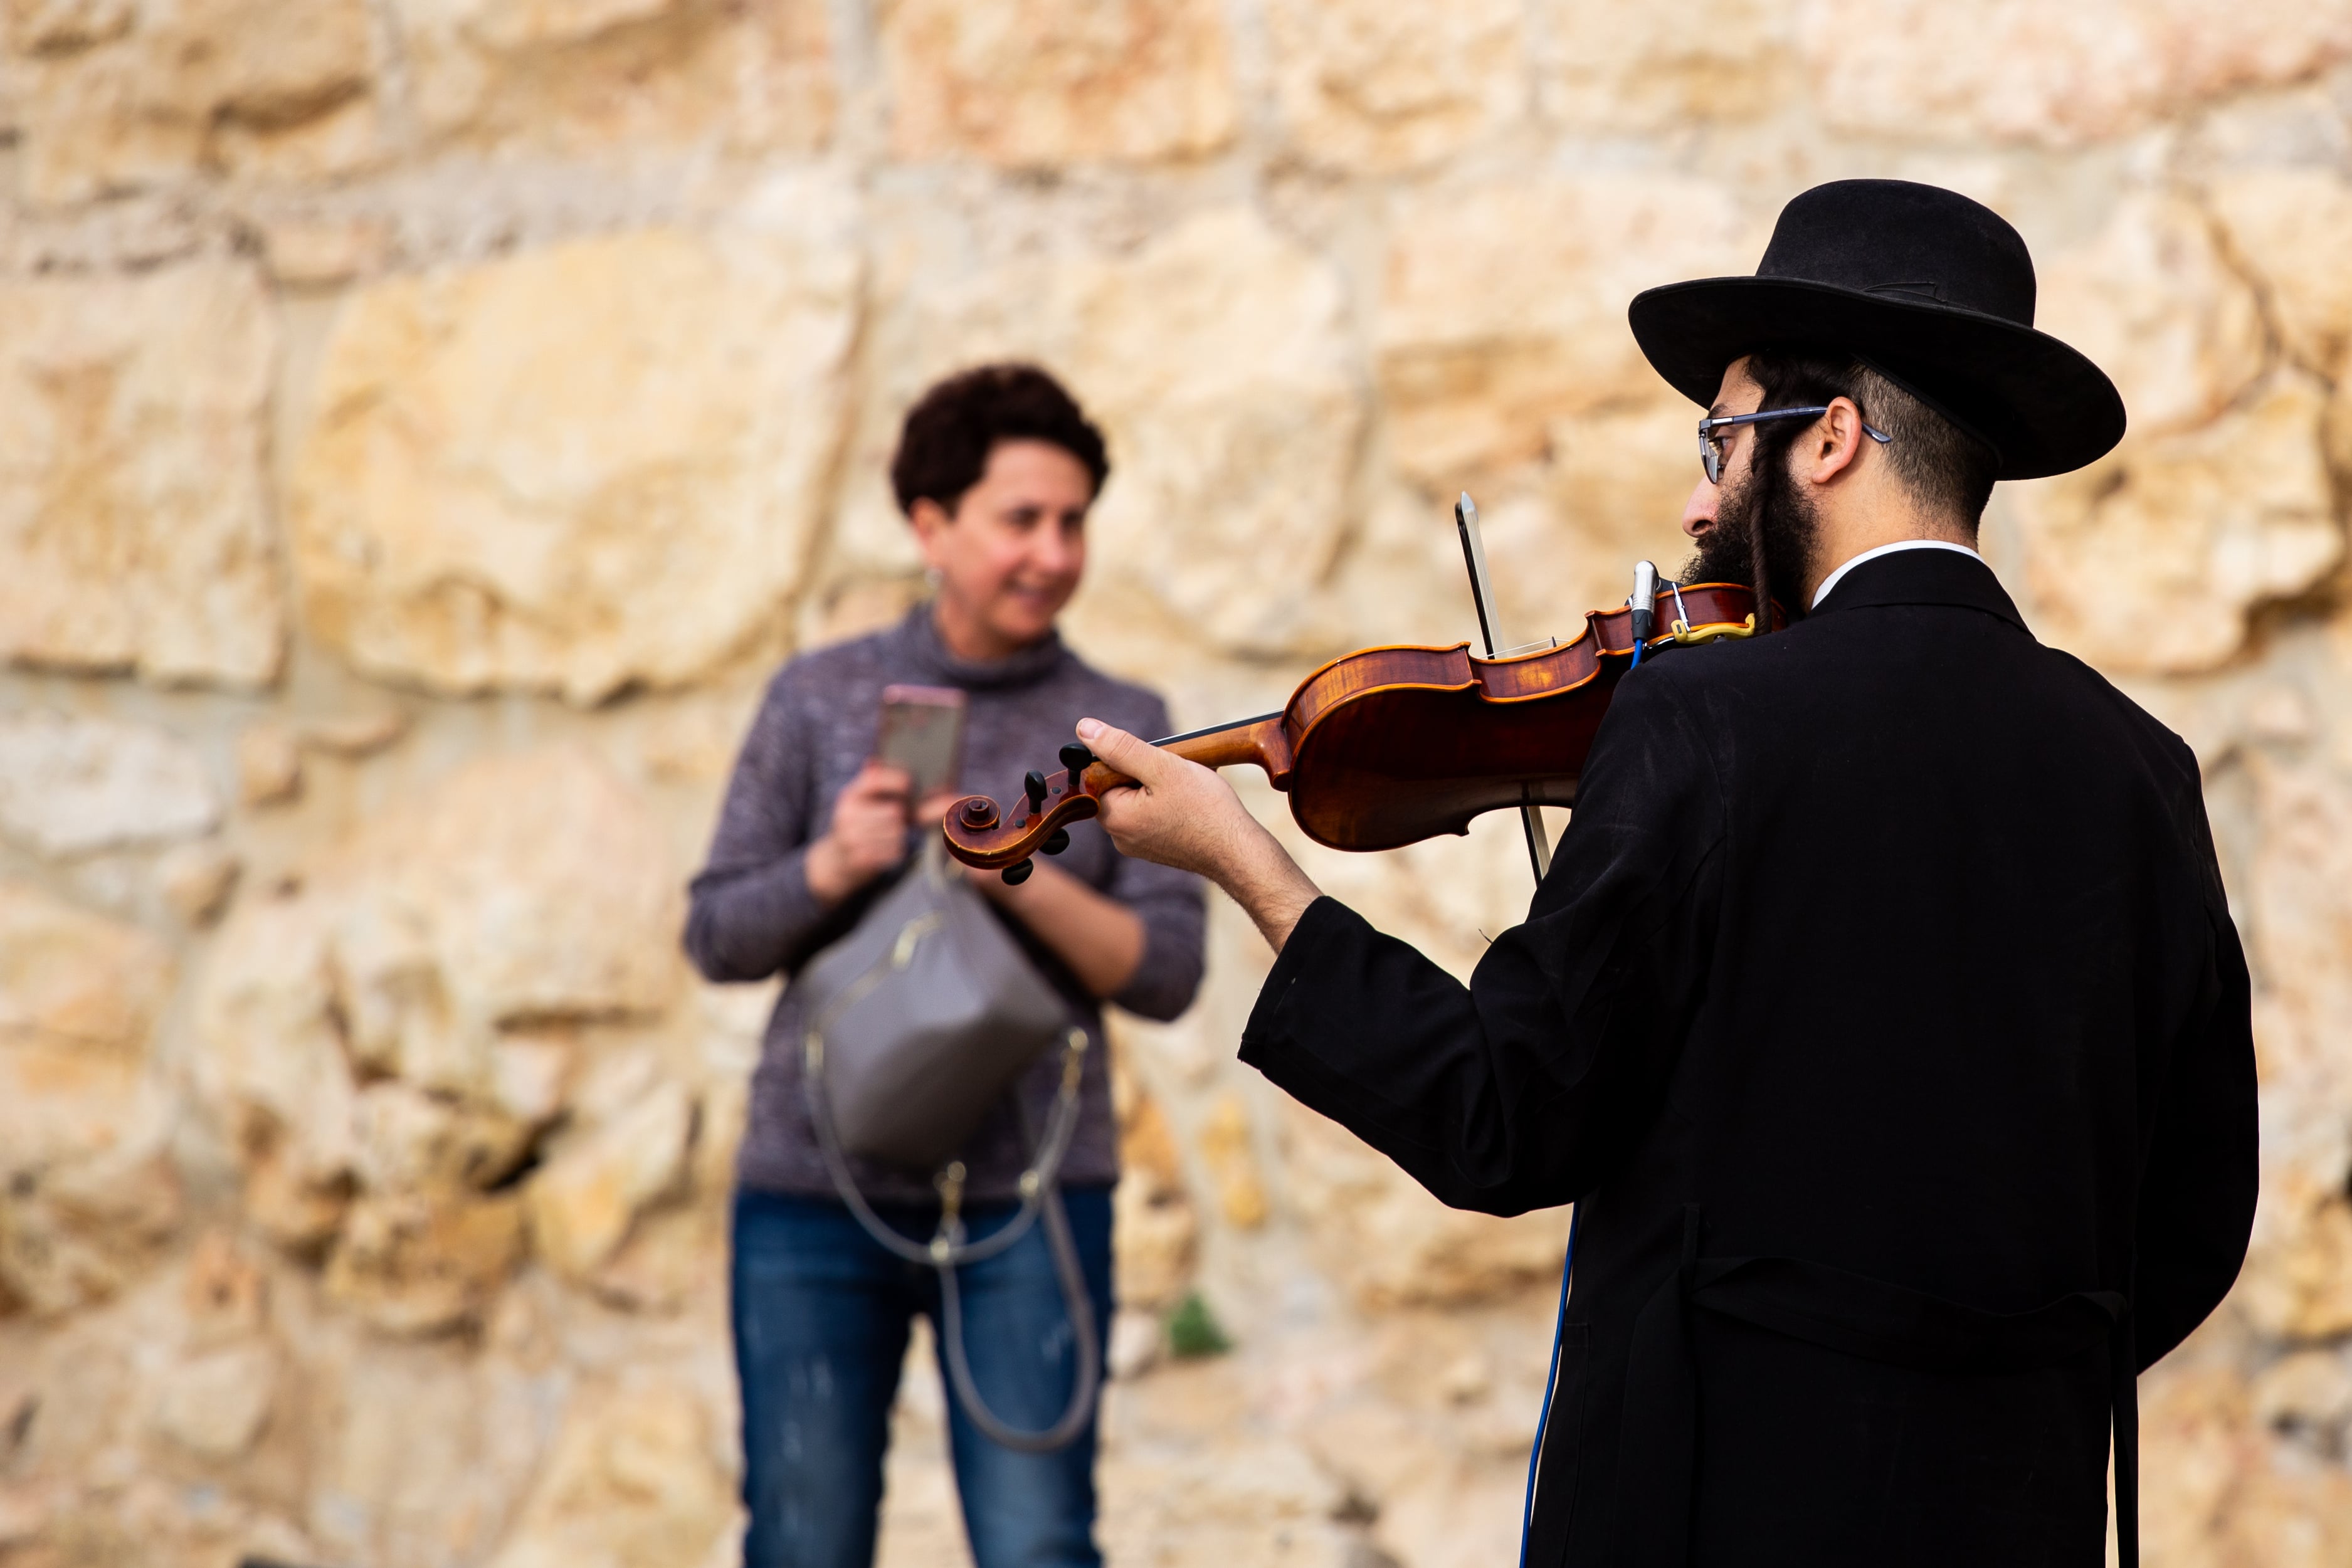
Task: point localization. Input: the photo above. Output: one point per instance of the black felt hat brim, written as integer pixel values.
(2045, 407)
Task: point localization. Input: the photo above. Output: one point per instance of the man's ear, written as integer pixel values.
(1837, 442)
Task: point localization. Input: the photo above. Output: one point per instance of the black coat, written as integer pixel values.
(1883, 1008)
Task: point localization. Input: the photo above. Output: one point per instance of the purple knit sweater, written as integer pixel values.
(752, 914)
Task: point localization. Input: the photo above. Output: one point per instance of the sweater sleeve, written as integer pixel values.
(751, 913)
(1528, 1086)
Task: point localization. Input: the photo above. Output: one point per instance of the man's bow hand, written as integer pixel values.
(1181, 814)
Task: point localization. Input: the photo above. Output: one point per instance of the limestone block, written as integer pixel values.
(1246, 1501)
(2057, 74)
(223, 1293)
(408, 1139)
(543, 888)
(268, 765)
(120, 96)
(2152, 557)
(1379, 1233)
(1505, 308)
(1366, 85)
(1157, 1231)
(215, 1404)
(585, 77)
(592, 1188)
(1662, 67)
(493, 498)
(81, 1232)
(270, 1060)
(632, 1483)
(70, 786)
(2309, 1391)
(1039, 82)
(413, 1263)
(196, 879)
(2155, 304)
(1225, 1150)
(523, 890)
(2291, 229)
(133, 532)
(2297, 1280)
(2193, 1442)
(79, 996)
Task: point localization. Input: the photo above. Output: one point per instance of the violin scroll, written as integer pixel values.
(978, 835)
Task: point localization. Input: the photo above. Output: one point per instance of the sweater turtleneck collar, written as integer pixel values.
(921, 634)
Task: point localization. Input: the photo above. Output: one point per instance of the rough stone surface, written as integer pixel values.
(1503, 309)
(79, 998)
(133, 528)
(1034, 82)
(633, 1483)
(69, 786)
(592, 1187)
(2154, 302)
(492, 497)
(2151, 558)
(587, 76)
(2290, 229)
(1661, 67)
(1369, 86)
(551, 354)
(2017, 71)
(117, 97)
(1391, 1242)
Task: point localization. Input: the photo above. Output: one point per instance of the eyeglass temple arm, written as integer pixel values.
(1710, 425)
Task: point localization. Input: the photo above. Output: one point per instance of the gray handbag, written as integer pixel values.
(921, 1016)
(916, 1020)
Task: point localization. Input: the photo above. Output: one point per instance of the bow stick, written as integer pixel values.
(1482, 593)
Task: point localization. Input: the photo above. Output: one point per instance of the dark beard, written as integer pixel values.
(1765, 506)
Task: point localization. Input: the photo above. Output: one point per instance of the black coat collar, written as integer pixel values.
(1922, 577)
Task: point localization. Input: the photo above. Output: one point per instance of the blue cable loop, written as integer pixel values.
(1551, 1378)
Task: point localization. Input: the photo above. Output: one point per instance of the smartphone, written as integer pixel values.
(922, 732)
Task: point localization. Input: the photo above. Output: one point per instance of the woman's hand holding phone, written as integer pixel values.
(866, 837)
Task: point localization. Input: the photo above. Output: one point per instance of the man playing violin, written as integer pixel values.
(1882, 1012)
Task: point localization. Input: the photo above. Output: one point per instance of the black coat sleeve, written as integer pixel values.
(2201, 1171)
(1527, 1087)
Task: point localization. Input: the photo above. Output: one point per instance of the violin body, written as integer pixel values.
(1390, 745)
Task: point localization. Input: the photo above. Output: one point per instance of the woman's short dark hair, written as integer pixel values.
(944, 447)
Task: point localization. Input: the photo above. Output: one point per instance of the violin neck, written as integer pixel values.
(1261, 741)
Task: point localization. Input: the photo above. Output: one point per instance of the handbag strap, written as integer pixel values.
(947, 1249)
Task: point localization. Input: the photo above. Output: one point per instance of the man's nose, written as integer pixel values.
(1698, 512)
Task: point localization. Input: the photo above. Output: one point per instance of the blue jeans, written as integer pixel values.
(821, 1313)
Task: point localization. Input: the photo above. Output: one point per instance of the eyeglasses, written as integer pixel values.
(1711, 451)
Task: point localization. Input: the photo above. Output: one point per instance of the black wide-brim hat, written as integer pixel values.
(1926, 287)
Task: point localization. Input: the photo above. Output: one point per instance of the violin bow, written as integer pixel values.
(1482, 594)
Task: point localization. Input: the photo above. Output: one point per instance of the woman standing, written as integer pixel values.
(995, 470)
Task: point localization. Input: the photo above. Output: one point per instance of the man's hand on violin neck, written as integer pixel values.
(1181, 814)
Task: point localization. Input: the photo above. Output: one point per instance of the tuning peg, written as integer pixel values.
(1018, 873)
(1076, 757)
(1055, 841)
(1033, 784)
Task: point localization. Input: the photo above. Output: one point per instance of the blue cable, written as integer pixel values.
(1551, 1378)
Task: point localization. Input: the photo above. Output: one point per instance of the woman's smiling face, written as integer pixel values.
(1012, 551)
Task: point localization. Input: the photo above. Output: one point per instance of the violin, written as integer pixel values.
(1390, 745)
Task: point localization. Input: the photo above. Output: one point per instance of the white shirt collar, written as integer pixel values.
(1834, 578)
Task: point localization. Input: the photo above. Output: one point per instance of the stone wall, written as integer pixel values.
(424, 421)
